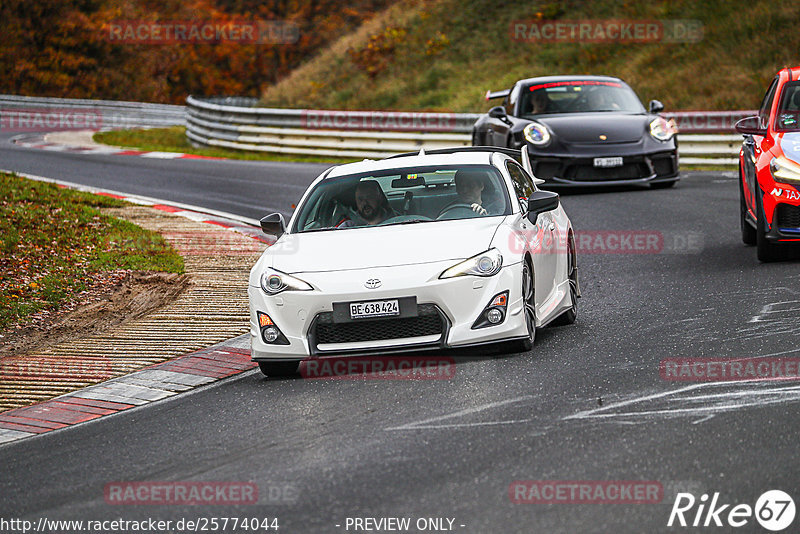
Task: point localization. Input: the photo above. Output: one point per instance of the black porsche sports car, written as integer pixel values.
(583, 131)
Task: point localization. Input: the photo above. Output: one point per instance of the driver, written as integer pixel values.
(598, 100)
(469, 186)
(371, 204)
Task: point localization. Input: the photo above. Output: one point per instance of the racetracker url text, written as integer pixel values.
(199, 524)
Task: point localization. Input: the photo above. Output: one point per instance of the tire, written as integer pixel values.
(528, 296)
(663, 185)
(279, 369)
(569, 316)
(766, 251)
(748, 232)
(476, 137)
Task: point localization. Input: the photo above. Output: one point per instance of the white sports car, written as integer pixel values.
(453, 248)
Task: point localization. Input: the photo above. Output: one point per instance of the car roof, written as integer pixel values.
(546, 79)
(456, 158)
(794, 73)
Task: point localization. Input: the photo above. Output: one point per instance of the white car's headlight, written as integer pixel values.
(537, 134)
(274, 282)
(784, 170)
(484, 264)
(663, 129)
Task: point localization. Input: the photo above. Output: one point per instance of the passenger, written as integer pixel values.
(540, 102)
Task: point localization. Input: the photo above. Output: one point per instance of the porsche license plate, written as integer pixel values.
(375, 308)
(608, 162)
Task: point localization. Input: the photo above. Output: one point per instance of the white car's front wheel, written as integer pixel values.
(528, 297)
(278, 369)
(569, 316)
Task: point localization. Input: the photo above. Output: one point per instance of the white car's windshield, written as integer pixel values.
(404, 196)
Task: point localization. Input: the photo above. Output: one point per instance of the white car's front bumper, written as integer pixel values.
(460, 301)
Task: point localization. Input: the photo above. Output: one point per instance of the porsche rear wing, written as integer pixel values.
(513, 152)
(519, 155)
(491, 95)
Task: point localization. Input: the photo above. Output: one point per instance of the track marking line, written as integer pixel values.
(425, 423)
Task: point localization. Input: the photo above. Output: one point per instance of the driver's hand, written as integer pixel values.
(480, 210)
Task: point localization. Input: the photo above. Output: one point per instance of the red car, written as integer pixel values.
(769, 169)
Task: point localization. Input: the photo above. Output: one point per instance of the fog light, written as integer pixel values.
(494, 313)
(270, 334)
(494, 316)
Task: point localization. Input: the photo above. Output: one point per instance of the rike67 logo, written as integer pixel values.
(774, 510)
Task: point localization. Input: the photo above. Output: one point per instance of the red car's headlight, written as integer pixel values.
(784, 170)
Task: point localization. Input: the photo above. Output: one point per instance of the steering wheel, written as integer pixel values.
(463, 206)
(339, 211)
(576, 105)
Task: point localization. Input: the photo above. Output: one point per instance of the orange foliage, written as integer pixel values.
(62, 47)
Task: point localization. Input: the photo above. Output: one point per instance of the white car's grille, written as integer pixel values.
(428, 322)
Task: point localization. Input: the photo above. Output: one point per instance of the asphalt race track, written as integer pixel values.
(249, 188)
(588, 403)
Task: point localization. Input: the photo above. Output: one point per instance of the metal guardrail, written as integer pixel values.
(238, 124)
(709, 149)
(26, 113)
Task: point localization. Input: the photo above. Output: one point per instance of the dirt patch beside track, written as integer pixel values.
(143, 320)
(119, 297)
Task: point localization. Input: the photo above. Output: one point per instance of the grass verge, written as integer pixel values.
(174, 139)
(705, 168)
(56, 243)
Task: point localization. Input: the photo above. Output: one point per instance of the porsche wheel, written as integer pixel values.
(476, 138)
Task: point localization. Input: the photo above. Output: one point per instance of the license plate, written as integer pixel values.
(375, 308)
(608, 162)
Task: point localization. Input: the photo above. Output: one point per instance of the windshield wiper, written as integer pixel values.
(411, 221)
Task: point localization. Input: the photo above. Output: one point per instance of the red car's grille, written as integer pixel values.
(788, 216)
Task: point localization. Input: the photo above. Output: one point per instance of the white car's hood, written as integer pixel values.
(361, 248)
